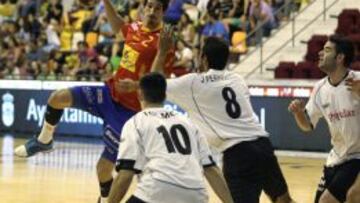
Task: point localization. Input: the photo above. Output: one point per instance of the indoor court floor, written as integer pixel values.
(68, 174)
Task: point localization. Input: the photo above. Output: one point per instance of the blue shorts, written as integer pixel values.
(97, 100)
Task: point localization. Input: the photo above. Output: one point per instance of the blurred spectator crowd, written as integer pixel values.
(72, 39)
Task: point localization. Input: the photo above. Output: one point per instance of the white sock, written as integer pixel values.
(47, 133)
(103, 200)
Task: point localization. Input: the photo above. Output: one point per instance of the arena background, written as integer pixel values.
(24, 103)
(279, 65)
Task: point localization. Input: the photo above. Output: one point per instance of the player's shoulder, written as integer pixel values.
(235, 76)
(184, 79)
(319, 85)
(320, 82)
(130, 123)
(191, 75)
(141, 115)
(144, 114)
(142, 118)
(226, 73)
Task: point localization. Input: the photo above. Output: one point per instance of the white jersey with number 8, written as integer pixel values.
(219, 103)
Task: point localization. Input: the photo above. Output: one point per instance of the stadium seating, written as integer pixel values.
(348, 22)
(284, 70)
(302, 70)
(355, 66)
(316, 73)
(314, 46)
(348, 25)
(355, 38)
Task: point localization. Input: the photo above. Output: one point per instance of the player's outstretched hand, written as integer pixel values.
(126, 85)
(166, 40)
(296, 106)
(353, 85)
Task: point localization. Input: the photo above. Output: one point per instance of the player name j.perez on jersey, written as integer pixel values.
(212, 78)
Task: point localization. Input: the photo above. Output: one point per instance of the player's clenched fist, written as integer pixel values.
(296, 106)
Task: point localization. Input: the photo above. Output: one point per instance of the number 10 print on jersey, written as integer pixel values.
(172, 139)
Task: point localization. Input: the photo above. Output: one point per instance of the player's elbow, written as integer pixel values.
(306, 129)
(304, 125)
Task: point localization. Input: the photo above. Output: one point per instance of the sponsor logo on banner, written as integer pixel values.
(35, 112)
(274, 91)
(7, 109)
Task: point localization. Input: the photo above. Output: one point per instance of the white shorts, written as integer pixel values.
(161, 192)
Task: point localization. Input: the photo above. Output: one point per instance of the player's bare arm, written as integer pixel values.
(115, 20)
(353, 85)
(218, 183)
(120, 185)
(297, 107)
(166, 41)
(127, 85)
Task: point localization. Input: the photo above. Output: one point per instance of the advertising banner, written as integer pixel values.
(22, 111)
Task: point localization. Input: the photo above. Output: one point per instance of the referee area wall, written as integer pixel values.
(23, 105)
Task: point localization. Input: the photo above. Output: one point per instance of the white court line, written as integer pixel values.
(43, 85)
(318, 155)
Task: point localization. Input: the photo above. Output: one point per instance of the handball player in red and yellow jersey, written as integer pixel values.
(140, 49)
(141, 43)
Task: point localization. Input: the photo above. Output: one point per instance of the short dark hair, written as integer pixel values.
(153, 86)
(165, 3)
(216, 51)
(343, 46)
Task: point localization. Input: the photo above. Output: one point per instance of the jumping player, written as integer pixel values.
(141, 40)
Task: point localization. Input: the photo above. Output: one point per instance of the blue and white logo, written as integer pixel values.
(7, 109)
